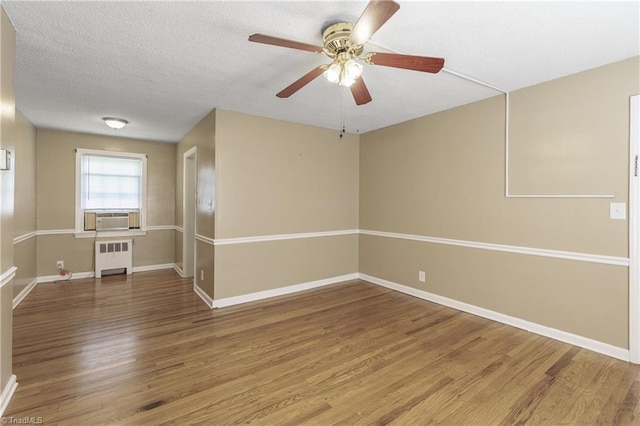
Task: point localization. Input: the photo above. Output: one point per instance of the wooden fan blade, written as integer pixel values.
(360, 92)
(374, 16)
(409, 62)
(301, 82)
(283, 42)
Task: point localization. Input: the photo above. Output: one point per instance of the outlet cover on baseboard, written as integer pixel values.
(422, 276)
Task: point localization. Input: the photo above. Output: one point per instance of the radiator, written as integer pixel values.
(113, 255)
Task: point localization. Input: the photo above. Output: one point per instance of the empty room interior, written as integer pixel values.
(333, 212)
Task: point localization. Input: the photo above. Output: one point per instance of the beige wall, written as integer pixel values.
(205, 266)
(275, 177)
(587, 299)
(443, 176)
(25, 203)
(202, 136)
(177, 248)
(56, 199)
(25, 259)
(7, 141)
(562, 133)
(77, 253)
(261, 266)
(25, 186)
(156, 248)
(56, 175)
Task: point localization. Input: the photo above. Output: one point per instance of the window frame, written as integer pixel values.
(79, 212)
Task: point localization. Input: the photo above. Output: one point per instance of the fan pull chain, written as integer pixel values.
(343, 131)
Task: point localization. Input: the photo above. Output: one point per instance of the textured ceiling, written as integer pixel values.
(164, 65)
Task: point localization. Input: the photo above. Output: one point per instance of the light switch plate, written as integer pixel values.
(5, 159)
(618, 211)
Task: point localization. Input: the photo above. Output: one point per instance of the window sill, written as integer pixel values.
(110, 234)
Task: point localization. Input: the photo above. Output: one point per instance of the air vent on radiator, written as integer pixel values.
(113, 255)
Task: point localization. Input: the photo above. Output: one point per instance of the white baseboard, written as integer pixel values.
(204, 296)
(252, 297)
(81, 275)
(148, 268)
(563, 336)
(178, 270)
(74, 276)
(7, 394)
(25, 291)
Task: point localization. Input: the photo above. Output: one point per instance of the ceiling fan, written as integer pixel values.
(344, 43)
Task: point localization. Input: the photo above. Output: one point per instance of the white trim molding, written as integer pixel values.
(56, 231)
(82, 275)
(558, 254)
(532, 251)
(74, 276)
(260, 295)
(161, 228)
(563, 336)
(634, 229)
(178, 270)
(110, 234)
(7, 276)
(79, 168)
(179, 228)
(147, 268)
(24, 237)
(507, 120)
(207, 240)
(101, 234)
(204, 296)
(7, 394)
(278, 237)
(25, 292)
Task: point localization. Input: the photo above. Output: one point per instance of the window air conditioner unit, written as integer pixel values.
(115, 221)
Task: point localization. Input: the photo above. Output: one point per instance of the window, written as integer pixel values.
(107, 183)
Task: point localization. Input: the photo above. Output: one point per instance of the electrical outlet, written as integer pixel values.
(421, 276)
(60, 264)
(201, 274)
(618, 211)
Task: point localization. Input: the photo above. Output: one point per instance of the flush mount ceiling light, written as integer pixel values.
(115, 123)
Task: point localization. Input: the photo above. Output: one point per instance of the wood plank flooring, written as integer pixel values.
(146, 350)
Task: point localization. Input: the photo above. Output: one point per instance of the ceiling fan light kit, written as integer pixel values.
(344, 43)
(343, 71)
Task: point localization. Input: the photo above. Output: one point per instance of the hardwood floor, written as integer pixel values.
(146, 350)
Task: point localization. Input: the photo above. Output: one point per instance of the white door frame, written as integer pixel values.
(634, 230)
(189, 188)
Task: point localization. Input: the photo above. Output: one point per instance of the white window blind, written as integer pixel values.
(110, 182)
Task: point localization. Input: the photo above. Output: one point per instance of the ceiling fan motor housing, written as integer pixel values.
(336, 41)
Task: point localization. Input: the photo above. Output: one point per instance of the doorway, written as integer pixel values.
(189, 186)
(634, 231)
